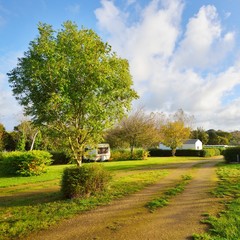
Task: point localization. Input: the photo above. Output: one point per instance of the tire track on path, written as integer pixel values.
(128, 219)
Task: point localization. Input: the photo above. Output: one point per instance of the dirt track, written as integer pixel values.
(128, 219)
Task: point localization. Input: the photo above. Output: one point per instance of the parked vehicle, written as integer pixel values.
(101, 153)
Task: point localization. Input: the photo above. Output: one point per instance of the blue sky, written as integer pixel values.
(182, 53)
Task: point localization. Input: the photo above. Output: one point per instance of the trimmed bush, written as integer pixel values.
(125, 154)
(30, 163)
(232, 154)
(78, 182)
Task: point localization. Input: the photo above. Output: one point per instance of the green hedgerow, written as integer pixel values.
(31, 163)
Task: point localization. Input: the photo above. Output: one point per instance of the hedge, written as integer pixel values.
(31, 163)
(185, 152)
(125, 154)
(232, 154)
(210, 152)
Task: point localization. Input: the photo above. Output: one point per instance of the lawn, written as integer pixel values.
(32, 203)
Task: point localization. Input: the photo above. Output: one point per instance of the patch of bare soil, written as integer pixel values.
(128, 219)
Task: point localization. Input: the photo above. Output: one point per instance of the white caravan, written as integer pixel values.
(101, 153)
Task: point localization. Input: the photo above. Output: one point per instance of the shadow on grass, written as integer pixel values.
(165, 166)
(30, 198)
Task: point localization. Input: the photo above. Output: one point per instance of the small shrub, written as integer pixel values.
(140, 154)
(84, 181)
(232, 154)
(30, 163)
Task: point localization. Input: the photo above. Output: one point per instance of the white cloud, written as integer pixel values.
(174, 69)
(203, 45)
(146, 41)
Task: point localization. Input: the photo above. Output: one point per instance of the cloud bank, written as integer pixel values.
(174, 65)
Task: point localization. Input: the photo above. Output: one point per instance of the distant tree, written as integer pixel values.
(72, 82)
(11, 141)
(183, 117)
(213, 137)
(174, 134)
(2, 137)
(218, 137)
(139, 129)
(224, 137)
(26, 134)
(200, 134)
(113, 137)
(235, 138)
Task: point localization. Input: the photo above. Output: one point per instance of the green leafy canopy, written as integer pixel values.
(71, 81)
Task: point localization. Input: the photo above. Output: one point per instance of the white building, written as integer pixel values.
(195, 144)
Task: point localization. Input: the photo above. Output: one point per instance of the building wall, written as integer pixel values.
(196, 146)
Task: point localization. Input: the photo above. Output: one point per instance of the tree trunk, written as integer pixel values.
(76, 153)
(78, 157)
(33, 141)
(131, 151)
(173, 152)
(79, 162)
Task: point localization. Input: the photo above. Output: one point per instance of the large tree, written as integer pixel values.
(71, 81)
(139, 129)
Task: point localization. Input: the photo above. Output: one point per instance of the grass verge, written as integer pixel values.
(227, 224)
(171, 192)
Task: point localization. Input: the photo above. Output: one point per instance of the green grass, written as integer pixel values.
(53, 173)
(29, 204)
(150, 162)
(227, 224)
(163, 200)
(23, 211)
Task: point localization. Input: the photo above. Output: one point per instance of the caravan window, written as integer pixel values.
(102, 150)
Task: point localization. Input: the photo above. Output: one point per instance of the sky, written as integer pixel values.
(183, 54)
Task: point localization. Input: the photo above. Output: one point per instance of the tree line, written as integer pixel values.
(138, 129)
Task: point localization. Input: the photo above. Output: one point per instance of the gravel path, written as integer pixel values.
(128, 219)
